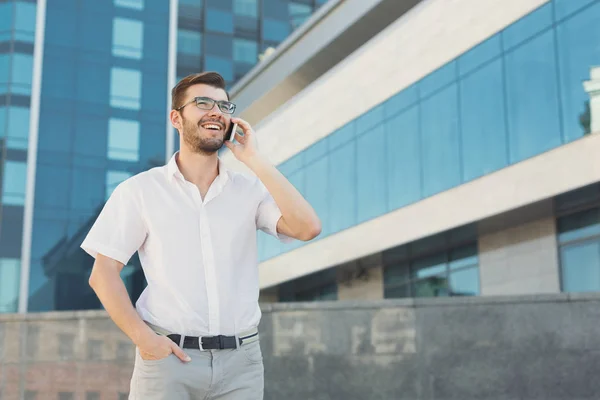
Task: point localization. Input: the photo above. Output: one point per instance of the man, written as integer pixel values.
(194, 224)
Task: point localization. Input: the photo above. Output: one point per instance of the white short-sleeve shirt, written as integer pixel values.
(199, 256)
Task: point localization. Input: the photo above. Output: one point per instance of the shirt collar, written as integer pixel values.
(174, 172)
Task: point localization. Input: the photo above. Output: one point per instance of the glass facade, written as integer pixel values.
(17, 34)
(229, 35)
(578, 234)
(515, 95)
(102, 119)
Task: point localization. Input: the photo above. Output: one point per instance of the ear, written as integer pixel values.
(175, 118)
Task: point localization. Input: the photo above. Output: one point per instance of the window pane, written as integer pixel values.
(10, 276)
(580, 225)
(342, 187)
(189, 42)
(533, 112)
(342, 136)
(123, 139)
(480, 54)
(581, 267)
(464, 257)
(248, 8)
(435, 286)
(484, 136)
(219, 45)
(4, 72)
(125, 88)
(369, 119)
(578, 44)
(134, 4)
(24, 22)
(371, 175)
(429, 266)
(563, 8)
(22, 70)
(438, 79)
(17, 128)
(245, 51)
(440, 152)
(5, 22)
(299, 13)
(219, 21)
(113, 178)
(394, 275)
(397, 292)
(527, 27)
(401, 101)
(316, 188)
(128, 36)
(275, 30)
(403, 159)
(465, 282)
(221, 65)
(14, 183)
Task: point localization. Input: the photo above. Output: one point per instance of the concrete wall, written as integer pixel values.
(537, 347)
(520, 260)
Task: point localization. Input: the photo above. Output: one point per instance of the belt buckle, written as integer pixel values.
(220, 342)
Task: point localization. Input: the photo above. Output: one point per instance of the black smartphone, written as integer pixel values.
(230, 135)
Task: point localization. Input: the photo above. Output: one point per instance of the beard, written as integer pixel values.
(192, 136)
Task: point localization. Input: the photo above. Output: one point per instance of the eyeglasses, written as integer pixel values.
(206, 103)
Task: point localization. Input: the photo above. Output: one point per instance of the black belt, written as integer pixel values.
(208, 342)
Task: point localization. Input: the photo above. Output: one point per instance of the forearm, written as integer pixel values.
(298, 214)
(111, 291)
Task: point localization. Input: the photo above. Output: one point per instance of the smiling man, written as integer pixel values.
(194, 224)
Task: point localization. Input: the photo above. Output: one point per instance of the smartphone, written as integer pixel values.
(230, 135)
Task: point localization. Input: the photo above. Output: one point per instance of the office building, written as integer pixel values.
(451, 148)
(84, 98)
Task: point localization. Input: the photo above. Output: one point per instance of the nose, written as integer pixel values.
(215, 110)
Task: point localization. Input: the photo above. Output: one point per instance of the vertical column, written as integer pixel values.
(36, 89)
(172, 70)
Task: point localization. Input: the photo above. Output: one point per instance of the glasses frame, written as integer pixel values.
(219, 103)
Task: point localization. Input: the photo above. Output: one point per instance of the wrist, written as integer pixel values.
(255, 162)
(142, 335)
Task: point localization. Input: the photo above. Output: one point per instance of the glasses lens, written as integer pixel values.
(227, 107)
(204, 103)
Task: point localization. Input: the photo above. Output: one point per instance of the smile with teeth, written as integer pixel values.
(213, 127)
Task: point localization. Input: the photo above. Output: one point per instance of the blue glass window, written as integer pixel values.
(113, 179)
(221, 65)
(219, 21)
(248, 8)
(299, 13)
(134, 4)
(531, 85)
(125, 88)
(438, 79)
(17, 127)
(4, 72)
(128, 38)
(401, 101)
(579, 240)
(342, 187)
(527, 26)
(24, 22)
(484, 136)
(245, 51)
(275, 30)
(5, 21)
(403, 159)
(341, 136)
(564, 8)
(189, 42)
(480, 54)
(10, 278)
(578, 43)
(22, 70)
(14, 183)
(317, 188)
(123, 139)
(371, 174)
(440, 146)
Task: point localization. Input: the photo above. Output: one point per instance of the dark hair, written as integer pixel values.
(210, 78)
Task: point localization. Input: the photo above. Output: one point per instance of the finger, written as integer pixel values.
(242, 124)
(240, 138)
(180, 353)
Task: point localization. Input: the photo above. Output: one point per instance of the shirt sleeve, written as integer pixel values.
(268, 214)
(119, 231)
